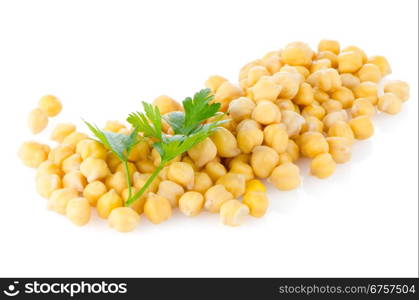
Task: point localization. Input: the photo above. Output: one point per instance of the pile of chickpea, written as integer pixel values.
(290, 103)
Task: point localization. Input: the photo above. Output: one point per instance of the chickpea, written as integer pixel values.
(241, 108)
(332, 57)
(382, 63)
(362, 127)
(112, 161)
(94, 169)
(349, 80)
(249, 137)
(48, 168)
(313, 110)
(71, 163)
(139, 152)
(329, 45)
(91, 148)
(297, 54)
(165, 104)
(293, 122)
(60, 153)
(59, 199)
(61, 131)
(171, 191)
(51, 105)
(93, 191)
(46, 184)
(108, 202)
(285, 104)
(341, 129)
(285, 177)
(333, 117)
(202, 182)
(242, 168)
(73, 138)
(230, 124)
(131, 169)
(138, 204)
(349, 62)
(233, 212)
(181, 173)
(140, 179)
(189, 161)
(216, 196)
(368, 90)
(123, 219)
(272, 63)
(255, 185)
(116, 181)
(312, 144)
(74, 180)
(225, 142)
(276, 136)
(78, 211)
(300, 75)
(288, 83)
(227, 92)
(245, 69)
(362, 107)
(203, 152)
(320, 64)
(33, 154)
(266, 89)
(37, 120)
(263, 160)
(214, 82)
(257, 202)
(332, 105)
(215, 170)
(358, 50)
(157, 208)
(320, 95)
(389, 103)
(145, 166)
(398, 88)
(248, 123)
(254, 74)
(284, 158)
(234, 183)
(113, 126)
(323, 165)
(126, 131)
(340, 149)
(191, 203)
(312, 124)
(344, 95)
(327, 80)
(305, 95)
(266, 112)
(369, 72)
(293, 150)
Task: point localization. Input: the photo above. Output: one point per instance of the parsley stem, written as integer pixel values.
(147, 184)
(125, 162)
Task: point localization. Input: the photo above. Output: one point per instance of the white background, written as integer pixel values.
(103, 57)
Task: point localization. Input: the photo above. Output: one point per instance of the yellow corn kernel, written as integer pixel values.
(123, 219)
(78, 211)
(368, 90)
(362, 127)
(399, 88)
(157, 208)
(340, 149)
(285, 177)
(362, 107)
(48, 183)
(341, 129)
(255, 185)
(191, 203)
(323, 165)
(233, 213)
(37, 120)
(33, 154)
(389, 103)
(59, 199)
(216, 196)
(51, 105)
(257, 202)
(166, 104)
(297, 54)
(93, 191)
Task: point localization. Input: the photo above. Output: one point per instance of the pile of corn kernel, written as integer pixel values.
(290, 103)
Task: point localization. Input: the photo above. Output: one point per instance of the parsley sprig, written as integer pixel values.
(190, 127)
